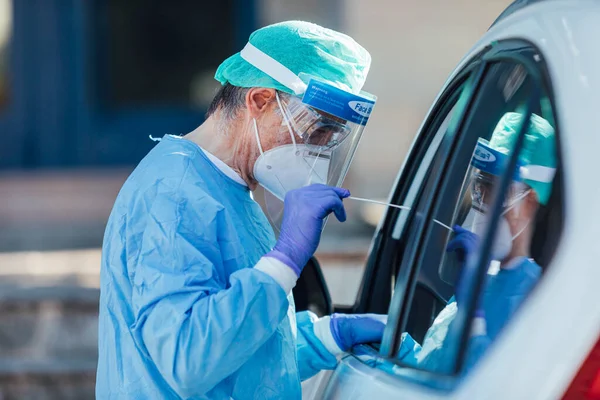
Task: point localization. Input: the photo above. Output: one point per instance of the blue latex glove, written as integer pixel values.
(305, 209)
(349, 330)
(465, 244)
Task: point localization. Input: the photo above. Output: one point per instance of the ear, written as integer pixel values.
(258, 100)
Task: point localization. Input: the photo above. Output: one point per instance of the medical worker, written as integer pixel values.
(195, 291)
(518, 273)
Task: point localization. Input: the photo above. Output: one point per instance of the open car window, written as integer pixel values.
(483, 234)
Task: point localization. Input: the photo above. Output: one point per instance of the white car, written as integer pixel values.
(539, 57)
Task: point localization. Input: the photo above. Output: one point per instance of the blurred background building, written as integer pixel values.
(85, 83)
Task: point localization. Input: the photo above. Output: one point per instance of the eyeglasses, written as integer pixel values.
(482, 186)
(315, 127)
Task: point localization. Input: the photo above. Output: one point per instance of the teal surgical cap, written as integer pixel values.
(289, 49)
(538, 154)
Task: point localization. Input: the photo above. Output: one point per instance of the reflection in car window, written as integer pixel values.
(429, 159)
(471, 184)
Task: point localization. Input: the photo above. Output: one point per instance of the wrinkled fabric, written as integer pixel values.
(504, 293)
(502, 296)
(312, 354)
(302, 47)
(182, 312)
(539, 147)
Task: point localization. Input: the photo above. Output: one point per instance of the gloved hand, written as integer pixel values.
(305, 209)
(349, 330)
(465, 245)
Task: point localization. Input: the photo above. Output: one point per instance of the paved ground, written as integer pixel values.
(44, 213)
(81, 268)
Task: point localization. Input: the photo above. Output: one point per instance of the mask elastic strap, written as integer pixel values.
(521, 231)
(285, 118)
(313, 167)
(257, 138)
(516, 201)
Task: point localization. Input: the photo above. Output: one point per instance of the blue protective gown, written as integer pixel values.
(182, 312)
(502, 296)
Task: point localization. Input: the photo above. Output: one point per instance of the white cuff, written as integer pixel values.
(322, 329)
(283, 275)
(478, 327)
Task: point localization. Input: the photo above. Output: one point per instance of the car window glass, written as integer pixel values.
(518, 255)
(443, 130)
(418, 177)
(343, 275)
(424, 301)
(422, 171)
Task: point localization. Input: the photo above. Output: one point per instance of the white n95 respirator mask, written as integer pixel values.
(290, 167)
(477, 222)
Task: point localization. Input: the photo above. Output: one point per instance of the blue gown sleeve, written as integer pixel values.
(196, 326)
(312, 354)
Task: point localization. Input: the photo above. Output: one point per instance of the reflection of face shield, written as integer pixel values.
(472, 213)
(324, 128)
(477, 219)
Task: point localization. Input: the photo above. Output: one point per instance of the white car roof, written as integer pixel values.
(514, 7)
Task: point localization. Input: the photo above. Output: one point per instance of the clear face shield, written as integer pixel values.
(322, 131)
(475, 199)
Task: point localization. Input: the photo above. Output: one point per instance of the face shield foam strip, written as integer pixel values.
(273, 68)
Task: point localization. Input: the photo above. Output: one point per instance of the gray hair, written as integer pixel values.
(229, 100)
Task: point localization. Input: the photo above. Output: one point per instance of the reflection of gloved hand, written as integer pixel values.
(349, 330)
(303, 215)
(465, 245)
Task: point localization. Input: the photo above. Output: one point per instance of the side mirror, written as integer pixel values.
(311, 291)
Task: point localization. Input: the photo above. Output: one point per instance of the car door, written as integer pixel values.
(404, 275)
